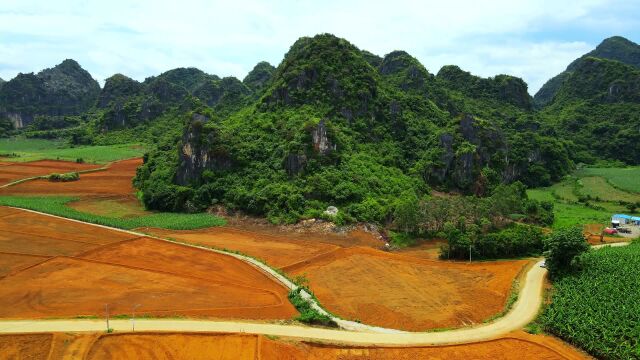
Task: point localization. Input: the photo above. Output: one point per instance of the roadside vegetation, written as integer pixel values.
(57, 205)
(597, 308)
(308, 314)
(20, 149)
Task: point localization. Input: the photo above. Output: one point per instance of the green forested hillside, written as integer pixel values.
(337, 125)
(331, 129)
(614, 48)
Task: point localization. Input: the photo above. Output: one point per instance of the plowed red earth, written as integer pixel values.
(401, 291)
(114, 181)
(242, 346)
(277, 251)
(16, 171)
(102, 266)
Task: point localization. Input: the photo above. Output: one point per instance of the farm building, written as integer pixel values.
(622, 219)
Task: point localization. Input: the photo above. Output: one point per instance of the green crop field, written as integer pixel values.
(22, 149)
(589, 196)
(573, 213)
(57, 205)
(626, 179)
(598, 187)
(598, 308)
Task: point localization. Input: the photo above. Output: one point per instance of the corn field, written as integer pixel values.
(598, 308)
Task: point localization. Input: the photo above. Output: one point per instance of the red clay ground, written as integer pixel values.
(277, 251)
(114, 182)
(16, 171)
(403, 292)
(103, 266)
(174, 346)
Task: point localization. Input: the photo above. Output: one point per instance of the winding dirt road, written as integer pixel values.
(523, 312)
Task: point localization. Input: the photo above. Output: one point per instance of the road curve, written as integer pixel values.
(523, 312)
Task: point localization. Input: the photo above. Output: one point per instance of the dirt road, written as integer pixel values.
(523, 311)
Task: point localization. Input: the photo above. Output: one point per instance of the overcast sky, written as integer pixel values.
(530, 39)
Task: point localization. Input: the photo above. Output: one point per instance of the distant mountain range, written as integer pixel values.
(337, 125)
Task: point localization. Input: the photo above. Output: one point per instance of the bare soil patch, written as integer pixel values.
(65, 287)
(403, 292)
(277, 251)
(114, 181)
(17, 171)
(104, 266)
(179, 346)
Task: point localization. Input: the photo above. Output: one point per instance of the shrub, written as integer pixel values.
(308, 314)
(562, 249)
(72, 176)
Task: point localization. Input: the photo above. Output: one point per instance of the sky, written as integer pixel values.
(534, 40)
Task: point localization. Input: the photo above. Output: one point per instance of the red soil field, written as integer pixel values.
(17, 171)
(28, 226)
(14, 262)
(185, 261)
(177, 346)
(106, 266)
(402, 292)
(277, 251)
(114, 181)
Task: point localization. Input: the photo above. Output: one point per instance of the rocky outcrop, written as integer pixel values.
(200, 150)
(321, 143)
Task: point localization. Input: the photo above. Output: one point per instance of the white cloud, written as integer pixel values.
(146, 37)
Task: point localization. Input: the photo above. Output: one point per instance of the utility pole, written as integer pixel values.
(469, 253)
(133, 317)
(106, 310)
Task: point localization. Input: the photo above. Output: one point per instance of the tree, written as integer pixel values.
(562, 248)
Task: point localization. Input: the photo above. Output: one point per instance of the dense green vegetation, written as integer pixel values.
(308, 314)
(563, 249)
(334, 125)
(332, 130)
(597, 308)
(57, 205)
(23, 149)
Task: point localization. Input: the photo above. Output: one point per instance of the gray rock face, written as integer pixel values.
(294, 163)
(321, 143)
(200, 151)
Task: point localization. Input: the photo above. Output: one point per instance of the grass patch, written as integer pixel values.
(625, 179)
(57, 205)
(598, 188)
(113, 208)
(401, 240)
(21, 149)
(308, 314)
